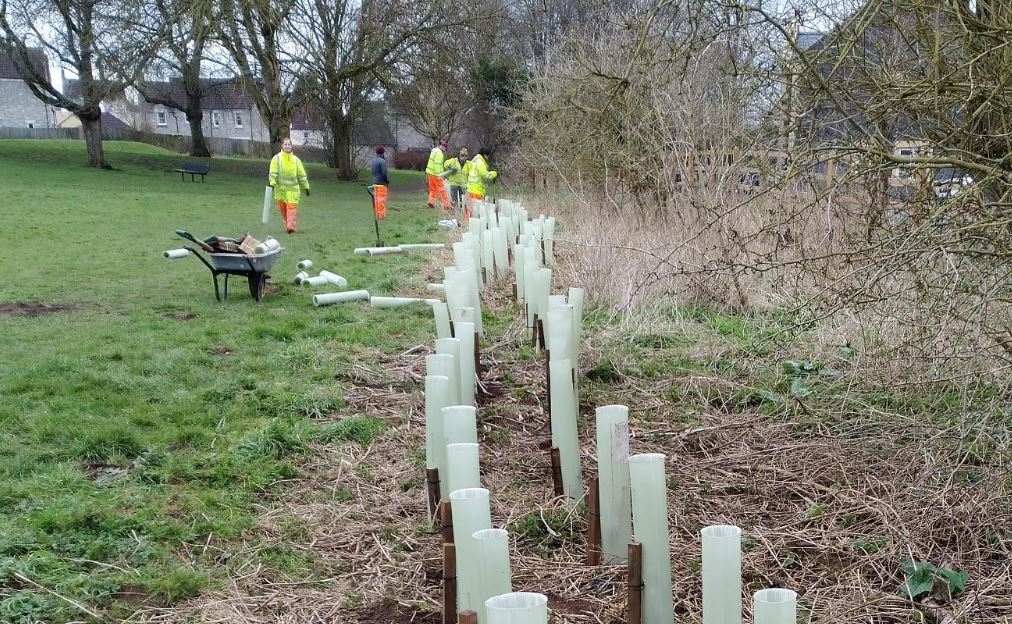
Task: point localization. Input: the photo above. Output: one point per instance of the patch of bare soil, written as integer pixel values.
(33, 309)
(828, 506)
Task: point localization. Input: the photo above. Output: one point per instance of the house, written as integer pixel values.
(19, 108)
(228, 110)
(372, 129)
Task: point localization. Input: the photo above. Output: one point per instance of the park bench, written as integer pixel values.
(193, 169)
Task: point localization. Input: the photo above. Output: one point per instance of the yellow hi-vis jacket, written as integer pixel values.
(435, 164)
(458, 179)
(287, 176)
(478, 175)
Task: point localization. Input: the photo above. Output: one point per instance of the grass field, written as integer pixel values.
(147, 417)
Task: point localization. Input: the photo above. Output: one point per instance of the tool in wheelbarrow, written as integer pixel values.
(252, 266)
(375, 220)
(190, 237)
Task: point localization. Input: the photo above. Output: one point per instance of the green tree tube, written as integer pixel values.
(459, 427)
(470, 513)
(465, 334)
(494, 574)
(441, 313)
(721, 574)
(575, 299)
(451, 347)
(488, 255)
(517, 608)
(564, 432)
(437, 396)
(462, 470)
(559, 329)
(613, 481)
(520, 268)
(775, 606)
(650, 528)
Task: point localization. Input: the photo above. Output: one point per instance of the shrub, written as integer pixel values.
(411, 160)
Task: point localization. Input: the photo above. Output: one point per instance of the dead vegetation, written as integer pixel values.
(832, 492)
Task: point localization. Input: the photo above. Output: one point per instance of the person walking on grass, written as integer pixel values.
(437, 185)
(459, 167)
(288, 178)
(380, 182)
(478, 175)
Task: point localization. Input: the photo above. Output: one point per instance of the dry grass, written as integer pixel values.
(829, 502)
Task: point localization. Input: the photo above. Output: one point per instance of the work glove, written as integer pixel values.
(307, 192)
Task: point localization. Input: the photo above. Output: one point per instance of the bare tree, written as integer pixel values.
(260, 38)
(350, 49)
(184, 55)
(107, 44)
(435, 90)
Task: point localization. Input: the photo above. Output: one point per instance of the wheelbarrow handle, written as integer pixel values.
(192, 238)
(200, 257)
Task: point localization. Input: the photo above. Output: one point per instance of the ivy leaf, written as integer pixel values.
(956, 579)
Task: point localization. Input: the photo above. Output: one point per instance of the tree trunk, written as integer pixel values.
(279, 128)
(346, 169)
(195, 116)
(91, 125)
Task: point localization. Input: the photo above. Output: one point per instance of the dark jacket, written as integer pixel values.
(378, 164)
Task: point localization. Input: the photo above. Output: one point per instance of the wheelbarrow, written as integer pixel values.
(253, 267)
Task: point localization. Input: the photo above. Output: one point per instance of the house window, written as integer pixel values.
(161, 118)
(238, 119)
(305, 137)
(216, 119)
(31, 124)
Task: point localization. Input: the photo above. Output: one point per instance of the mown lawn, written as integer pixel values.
(148, 417)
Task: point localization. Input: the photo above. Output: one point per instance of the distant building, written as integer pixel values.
(372, 129)
(228, 110)
(19, 108)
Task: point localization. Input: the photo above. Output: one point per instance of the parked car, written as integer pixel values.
(950, 182)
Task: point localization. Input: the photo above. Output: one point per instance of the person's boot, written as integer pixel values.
(290, 221)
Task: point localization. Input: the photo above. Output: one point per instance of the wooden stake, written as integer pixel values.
(449, 583)
(541, 333)
(534, 331)
(477, 356)
(557, 471)
(446, 518)
(432, 488)
(467, 617)
(514, 290)
(593, 524)
(453, 334)
(635, 584)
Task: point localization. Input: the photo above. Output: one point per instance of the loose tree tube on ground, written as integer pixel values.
(172, 254)
(397, 302)
(437, 396)
(348, 295)
(517, 608)
(410, 246)
(301, 275)
(721, 574)
(316, 280)
(462, 467)
(378, 251)
(775, 606)
(613, 481)
(564, 431)
(650, 528)
(492, 546)
(470, 514)
(465, 334)
(334, 278)
(304, 265)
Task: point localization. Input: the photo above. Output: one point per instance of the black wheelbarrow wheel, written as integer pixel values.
(257, 283)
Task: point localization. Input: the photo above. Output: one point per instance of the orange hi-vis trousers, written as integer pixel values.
(288, 214)
(379, 201)
(437, 189)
